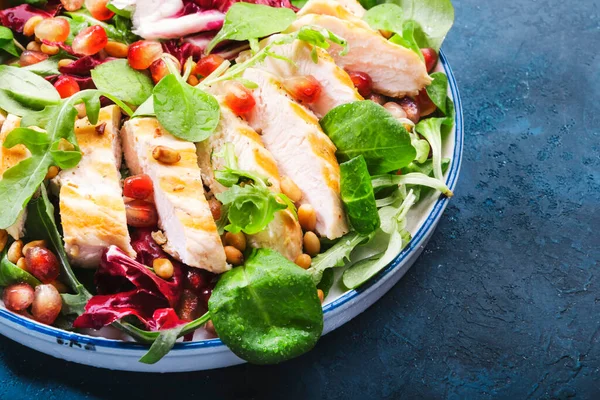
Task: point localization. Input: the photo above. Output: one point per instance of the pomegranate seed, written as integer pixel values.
(53, 30)
(138, 186)
(42, 264)
(362, 82)
(72, 5)
(431, 58)
(208, 64)
(426, 106)
(98, 9)
(239, 98)
(30, 57)
(18, 297)
(195, 280)
(141, 214)
(411, 108)
(46, 304)
(142, 54)
(159, 69)
(66, 86)
(90, 40)
(305, 89)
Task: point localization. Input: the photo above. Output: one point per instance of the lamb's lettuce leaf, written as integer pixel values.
(357, 195)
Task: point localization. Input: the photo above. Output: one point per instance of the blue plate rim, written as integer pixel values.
(422, 233)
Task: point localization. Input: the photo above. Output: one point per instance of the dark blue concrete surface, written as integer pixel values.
(504, 303)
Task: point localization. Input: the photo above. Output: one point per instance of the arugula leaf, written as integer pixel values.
(47, 67)
(365, 269)
(7, 43)
(321, 38)
(246, 21)
(336, 255)
(40, 225)
(185, 111)
(266, 311)
(22, 91)
(357, 195)
(366, 128)
(122, 81)
(10, 273)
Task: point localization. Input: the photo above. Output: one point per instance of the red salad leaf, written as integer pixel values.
(15, 17)
(151, 310)
(83, 65)
(223, 5)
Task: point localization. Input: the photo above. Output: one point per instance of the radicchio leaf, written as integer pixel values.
(15, 17)
(84, 65)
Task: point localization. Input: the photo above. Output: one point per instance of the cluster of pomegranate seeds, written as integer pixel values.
(363, 83)
(431, 58)
(90, 40)
(239, 98)
(143, 53)
(207, 65)
(138, 187)
(98, 9)
(66, 86)
(52, 30)
(305, 89)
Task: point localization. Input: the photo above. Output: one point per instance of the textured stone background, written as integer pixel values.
(504, 301)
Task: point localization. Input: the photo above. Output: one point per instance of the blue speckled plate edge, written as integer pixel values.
(422, 234)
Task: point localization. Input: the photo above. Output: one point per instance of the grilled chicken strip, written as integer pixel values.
(302, 151)
(395, 70)
(9, 158)
(336, 86)
(184, 214)
(91, 202)
(283, 234)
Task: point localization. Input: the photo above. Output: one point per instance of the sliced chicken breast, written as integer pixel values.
(350, 10)
(9, 158)
(184, 214)
(283, 234)
(395, 70)
(91, 202)
(336, 86)
(302, 151)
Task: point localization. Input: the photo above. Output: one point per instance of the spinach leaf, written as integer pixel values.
(40, 225)
(433, 19)
(185, 111)
(437, 91)
(22, 91)
(122, 81)
(47, 67)
(267, 311)
(336, 255)
(366, 128)
(10, 273)
(7, 43)
(245, 21)
(146, 109)
(357, 195)
(365, 269)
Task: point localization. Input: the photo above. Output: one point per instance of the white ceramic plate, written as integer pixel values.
(339, 308)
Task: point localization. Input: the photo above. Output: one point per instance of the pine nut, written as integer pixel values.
(49, 49)
(312, 244)
(303, 261)
(29, 27)
(290, 189)
(193, 80)
(22, 263)
(52, 172)
(163, 267)
(81, 111)
(3, 239)
(116, 49)
(65, 62)
(307, 217)
(159, 237)
(74, 251)
(321, 295)
(237, 240)
(166, 155)
(34, 46)
(233, 255)
(15, 251)
(35, 243)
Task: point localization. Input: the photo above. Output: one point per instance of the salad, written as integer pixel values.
(173, 166)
